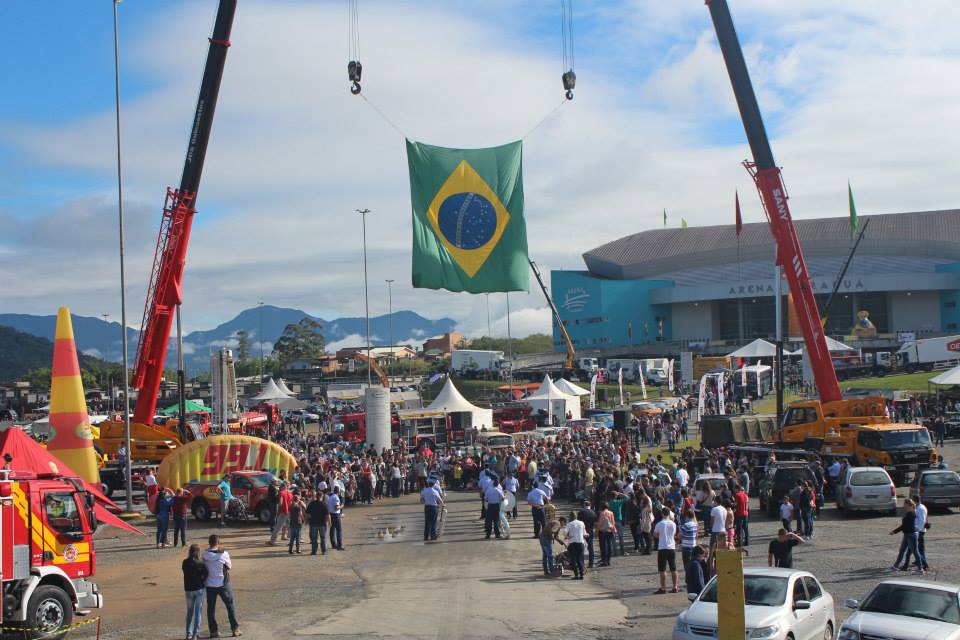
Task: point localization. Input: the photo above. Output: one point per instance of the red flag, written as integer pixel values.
(736, 197)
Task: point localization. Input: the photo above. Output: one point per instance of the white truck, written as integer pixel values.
(587, 365)
(655, 370)
(929, 353)
(631, 369)
(474, 362)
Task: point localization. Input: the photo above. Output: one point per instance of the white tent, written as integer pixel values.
(570, 389)
(284, 388)
(947, 378)
(450, 400)
(832, 345)
(270, 392)
(550, 398)
(759, 348)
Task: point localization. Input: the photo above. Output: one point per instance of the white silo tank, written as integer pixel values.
(377, 403)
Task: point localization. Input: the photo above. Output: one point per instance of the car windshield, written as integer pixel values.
(764, 591)
(906, 438)
(913, 601)
(260, 479)
(949, 479)
(496, 441)
(869, 479)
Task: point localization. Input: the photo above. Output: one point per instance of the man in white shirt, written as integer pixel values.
(665, 534)
(921, 526)
(576, 534)
(493, 496)
(483, 483)
(535, 498)
(718, 521)
(218, 566)
(512, 485)
(336, 525)
(432, 502)
(683, 477)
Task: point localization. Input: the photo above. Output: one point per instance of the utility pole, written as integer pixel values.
(489, 331)
(366, 297)
(260, 306)
(128, 485)
(390, 315)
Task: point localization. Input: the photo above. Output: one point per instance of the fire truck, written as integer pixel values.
(47, 557)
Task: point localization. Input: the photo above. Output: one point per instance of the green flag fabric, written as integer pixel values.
(854, 221)
(469, 233)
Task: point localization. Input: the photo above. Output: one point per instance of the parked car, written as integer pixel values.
(908, 609)
(717, 480)
(780, 604)
(866, 489)
(298, 414)
(780, 478)
(939, 488)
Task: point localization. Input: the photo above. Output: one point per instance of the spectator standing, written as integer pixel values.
(181, 504)
(164, 504)
(696, 570)
(218, 565)
(296, 513)
(319, 517)
(665, 534)
(576, 534)
(194, 581)
(588, 517)
(780, 550)
(282, 522)
(335, 507)
(607, 527)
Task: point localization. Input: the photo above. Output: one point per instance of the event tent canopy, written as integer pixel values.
(570, 389)
(450, 400)
(270, 392)
(759, 348)
(832, 346)
(549, 397)
(947, 378)
(284, 388)
(191, 406)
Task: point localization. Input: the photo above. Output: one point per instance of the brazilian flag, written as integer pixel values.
(468, 228)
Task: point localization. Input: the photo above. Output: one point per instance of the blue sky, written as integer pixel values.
(847, 92)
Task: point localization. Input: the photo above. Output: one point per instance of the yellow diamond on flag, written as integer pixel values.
(468, 218)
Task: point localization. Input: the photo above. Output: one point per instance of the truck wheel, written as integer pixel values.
(201, 510)
(48, 611)
(107, 489)
(263, 514)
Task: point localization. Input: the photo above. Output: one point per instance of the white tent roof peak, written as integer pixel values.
(570, 389)
(283, 387)
(451, 400)
(950, 377)
(832, 345)
(759, 348)
(270, 391)
(548, 388)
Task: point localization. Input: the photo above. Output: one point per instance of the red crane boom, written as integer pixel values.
(766, 175)
(166, 278)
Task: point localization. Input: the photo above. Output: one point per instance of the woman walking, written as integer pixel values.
(194, 579)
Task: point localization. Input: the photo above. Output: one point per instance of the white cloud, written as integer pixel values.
(848, 91)
(352, 340)
(96, 353)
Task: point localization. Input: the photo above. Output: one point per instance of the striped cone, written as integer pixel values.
(70, 440)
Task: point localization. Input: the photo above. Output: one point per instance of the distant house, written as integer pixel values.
(382, 354)
(323, 364)
(439, 347)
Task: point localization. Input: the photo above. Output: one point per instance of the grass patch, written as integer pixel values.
(902, 382)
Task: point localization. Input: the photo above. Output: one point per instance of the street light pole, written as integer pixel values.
(260, 305)
(128, 486)
(489, 331)
(390, 316)
(366, 297)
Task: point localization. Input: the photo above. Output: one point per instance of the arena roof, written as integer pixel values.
(931, 234)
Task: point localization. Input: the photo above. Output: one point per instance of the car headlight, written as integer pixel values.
(846, 633)
(681, 626)
(765, 632)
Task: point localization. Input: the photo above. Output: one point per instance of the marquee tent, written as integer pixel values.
(570, 389)
(450, 400)
(549, 395)
(191, 406)
(284, 388)
(270, 392)
(947, 378)
(832, 346)
(759, 348)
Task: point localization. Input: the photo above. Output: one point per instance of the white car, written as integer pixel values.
(905, 610)
(780, 604)
(867, 489)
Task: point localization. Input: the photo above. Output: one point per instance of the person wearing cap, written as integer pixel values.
(536, 499)
(432, 501)
(493, 496)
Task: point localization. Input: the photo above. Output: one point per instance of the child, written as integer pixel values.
(786, 512)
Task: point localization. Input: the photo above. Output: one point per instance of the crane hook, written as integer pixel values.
(354, 71)
(355, 89)
(569, 83)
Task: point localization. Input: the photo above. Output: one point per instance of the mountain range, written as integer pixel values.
(100, 338)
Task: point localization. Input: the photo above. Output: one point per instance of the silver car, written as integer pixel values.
(939, 488)
(905, 610)
(867, 489)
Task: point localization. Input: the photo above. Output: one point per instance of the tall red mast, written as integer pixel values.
(769, 182)
(166, 277)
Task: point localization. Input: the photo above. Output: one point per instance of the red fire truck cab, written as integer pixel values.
(47, 557)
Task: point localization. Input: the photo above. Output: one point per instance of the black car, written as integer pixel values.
(779, 480)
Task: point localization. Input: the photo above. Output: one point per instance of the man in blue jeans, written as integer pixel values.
(319, 517)
(335, 507)
(218, 585)
(432, 503)
(588, 517)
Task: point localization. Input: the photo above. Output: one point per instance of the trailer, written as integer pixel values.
(929, 354)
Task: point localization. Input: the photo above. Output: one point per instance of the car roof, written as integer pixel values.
(859, 469)
(789, 463)
(940, 586)
(774, 572)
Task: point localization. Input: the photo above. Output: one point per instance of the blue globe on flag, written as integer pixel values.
(467, 220)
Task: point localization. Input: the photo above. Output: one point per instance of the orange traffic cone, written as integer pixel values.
(70, 440)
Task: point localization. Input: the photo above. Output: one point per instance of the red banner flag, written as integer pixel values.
(736, 197)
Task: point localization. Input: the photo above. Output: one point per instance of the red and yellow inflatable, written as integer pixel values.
(211, 458)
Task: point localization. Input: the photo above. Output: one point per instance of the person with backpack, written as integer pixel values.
(194, 579)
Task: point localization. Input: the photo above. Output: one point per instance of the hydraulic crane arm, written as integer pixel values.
(166, 278)
(769, 182)
(571, 354)
(375, 367)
